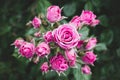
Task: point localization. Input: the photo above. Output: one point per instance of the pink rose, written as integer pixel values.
(42, 49)
(59, 63)
(95, 22)
(86, 69)
(36, 22)
(66, 36)
(76, 21)
(71, 57)
(91, 43)
(87, 17)
(48, 37)
(53, 14)
(18, 43)
(80, 44)
(37, 34)
(27, 50)
(89, 57)
(44, 67)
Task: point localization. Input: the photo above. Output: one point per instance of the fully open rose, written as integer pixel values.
(66, 36)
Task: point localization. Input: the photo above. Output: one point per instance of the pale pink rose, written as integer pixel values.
(66, 36)
(44, 67)
(48, 37)
(76, 21)
(91, 43)
(37, 34)
(54, 14)
(71, 57)
(27, 50)
(87, 17)
(95, 22)
(18, 43)
(59, 63)
(80, 44)
(42, 49)
(36, 22)
(89, 58)
(86, 69)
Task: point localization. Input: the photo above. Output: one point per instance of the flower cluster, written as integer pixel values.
(60, 44)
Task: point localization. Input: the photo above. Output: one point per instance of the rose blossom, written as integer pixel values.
(80, 44)
(48, 37)
(42, 49)
(89, 57)
(66, 36)
(91, 43)
(59, 63)
(27, 50)
(37, 34)
(53, 14)
(18, 43)
(95, 22)
(44, 67)
(87, 17)
(36, 22)
(76, 21)
(86, 69)
(71, 57)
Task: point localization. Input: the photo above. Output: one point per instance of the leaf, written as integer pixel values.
(118, 52)
(4, 30)
(42, 6)
(88, 6)
(97, 3)
(85, 32)
(107, 37)
(78, 75)
(69, 9)
(31, 31)
(103, 20)
(100, 47)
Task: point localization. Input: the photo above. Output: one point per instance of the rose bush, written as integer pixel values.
(60, 46)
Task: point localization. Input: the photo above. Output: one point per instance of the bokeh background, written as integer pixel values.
(14, 14)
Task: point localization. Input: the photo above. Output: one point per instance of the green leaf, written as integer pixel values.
(118, 52)
(42, 6)
(103, 20)
(69, 9)
(100, 47)
(31, 31)
(85, 32)
(88, 6)
(4, 30)
(96, 3)
(107, 37)
(78, 75)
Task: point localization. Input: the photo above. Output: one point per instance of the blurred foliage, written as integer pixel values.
(14, 14)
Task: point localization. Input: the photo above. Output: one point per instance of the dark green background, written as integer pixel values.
(14, 14)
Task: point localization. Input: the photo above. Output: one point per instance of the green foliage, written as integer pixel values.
(101, 47)
(103, 20)
(106, 37)
(69, 9)
(88, 6)
(84, 32)
(78, 75)
(13, 18)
